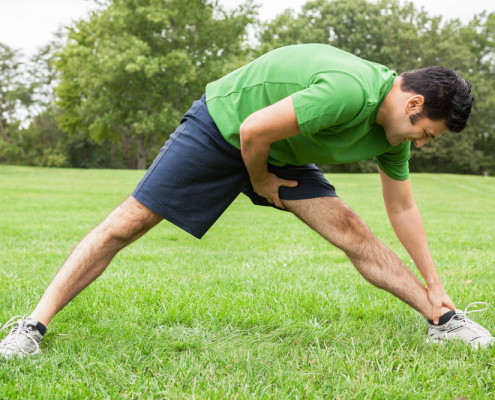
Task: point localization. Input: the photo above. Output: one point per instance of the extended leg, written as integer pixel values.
(341, 226)
(89, 259)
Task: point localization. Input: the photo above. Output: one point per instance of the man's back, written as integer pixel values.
(336, 97)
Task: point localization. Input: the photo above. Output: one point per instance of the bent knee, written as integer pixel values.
(353, 233)
(351, 223)
(129, 220)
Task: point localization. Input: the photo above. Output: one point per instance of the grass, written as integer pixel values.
(261, 307)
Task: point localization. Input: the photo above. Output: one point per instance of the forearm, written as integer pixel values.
(255, 156)
(260, 130)
(257, 133)
(408, 226)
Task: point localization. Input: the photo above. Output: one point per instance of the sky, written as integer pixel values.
(30, 24)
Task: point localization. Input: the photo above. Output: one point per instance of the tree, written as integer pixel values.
(43, 76)
(16, 97)
(44, 144)
(131, 70)
(14, 92)
(27, 97)
(479, 36)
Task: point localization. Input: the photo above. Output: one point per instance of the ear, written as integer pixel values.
(415, 104)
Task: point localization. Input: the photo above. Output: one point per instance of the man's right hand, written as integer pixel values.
(268, 188)
(440, 302)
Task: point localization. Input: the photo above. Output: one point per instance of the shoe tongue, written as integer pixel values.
(29, 324)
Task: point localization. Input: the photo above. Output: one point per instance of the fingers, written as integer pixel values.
(275, 200)
(269, 189)
(440, 303)
(278, 202)
(440, 309)
(436, 314)
(286, 183)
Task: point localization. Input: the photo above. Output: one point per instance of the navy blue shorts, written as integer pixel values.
(198, 174)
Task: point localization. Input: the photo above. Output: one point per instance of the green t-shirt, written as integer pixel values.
(336, 97)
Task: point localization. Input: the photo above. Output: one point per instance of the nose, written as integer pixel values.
(419, 143)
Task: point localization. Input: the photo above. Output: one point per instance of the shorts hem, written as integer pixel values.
(304, 196)
(198, 234)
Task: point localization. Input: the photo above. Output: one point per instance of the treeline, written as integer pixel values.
(109, 92)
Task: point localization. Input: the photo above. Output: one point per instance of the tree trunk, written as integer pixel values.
(2, 131)
(141, 152)
(126, 152)
(112, 152)
(21, 146)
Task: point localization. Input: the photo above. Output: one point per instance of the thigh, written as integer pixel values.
(332, 219)
(311, 184)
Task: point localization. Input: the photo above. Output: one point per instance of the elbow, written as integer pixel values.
(401, 210)
(249, 134)
(399, 204)
(245, 135)
(243, 131)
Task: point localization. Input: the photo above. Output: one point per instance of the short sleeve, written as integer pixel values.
(395, 162)
(332, 99)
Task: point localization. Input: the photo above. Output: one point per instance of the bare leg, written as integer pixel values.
(90, 258)
(341, 226)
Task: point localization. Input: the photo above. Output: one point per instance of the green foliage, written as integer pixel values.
(44, 143)
(9, 152)
(14, 94)
(437, 155)
(127, 73)
(84, 152)
(132, 69)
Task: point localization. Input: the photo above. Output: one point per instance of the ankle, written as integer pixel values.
(39, 318)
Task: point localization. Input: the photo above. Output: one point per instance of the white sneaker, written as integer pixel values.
(462, 328)
(24, 338)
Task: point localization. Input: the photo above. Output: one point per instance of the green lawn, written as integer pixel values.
(261, 307)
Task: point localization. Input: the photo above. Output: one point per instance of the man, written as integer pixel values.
(257, 131)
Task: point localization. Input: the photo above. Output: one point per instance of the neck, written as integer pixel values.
(389, 102)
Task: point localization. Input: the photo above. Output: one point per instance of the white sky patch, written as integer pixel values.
(30, 24)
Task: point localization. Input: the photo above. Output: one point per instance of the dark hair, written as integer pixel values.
(447, 95)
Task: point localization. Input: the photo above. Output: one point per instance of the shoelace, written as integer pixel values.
(462, 316)
(17, 332)
(475, 304)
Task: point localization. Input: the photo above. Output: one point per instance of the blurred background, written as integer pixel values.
(102, 84)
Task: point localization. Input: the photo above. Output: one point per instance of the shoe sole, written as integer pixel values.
(474, 346)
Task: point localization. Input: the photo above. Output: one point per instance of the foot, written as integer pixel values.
(462, 328)
(24, 338)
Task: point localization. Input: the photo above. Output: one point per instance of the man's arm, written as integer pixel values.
(258, 131)
(408, 226)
